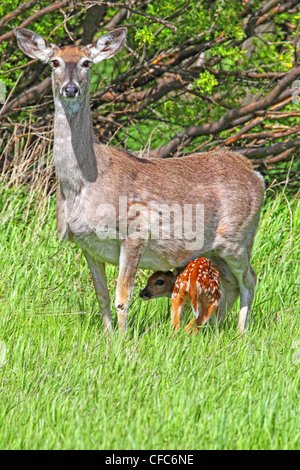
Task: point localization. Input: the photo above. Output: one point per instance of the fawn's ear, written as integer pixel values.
(107, 45)
(34, 45)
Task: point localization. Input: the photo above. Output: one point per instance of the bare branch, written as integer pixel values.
(29, 96)
(13, 14)
(268, 160)
(270, 150)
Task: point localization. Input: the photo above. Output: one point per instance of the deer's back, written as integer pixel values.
(223, 181)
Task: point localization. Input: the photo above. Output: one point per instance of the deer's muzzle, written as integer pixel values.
(145, 295)
(70, 90)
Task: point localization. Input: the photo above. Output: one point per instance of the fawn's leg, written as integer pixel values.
(195, 307)
(204, 312)
(178, 301)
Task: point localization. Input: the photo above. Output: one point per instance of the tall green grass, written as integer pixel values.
(65, 385)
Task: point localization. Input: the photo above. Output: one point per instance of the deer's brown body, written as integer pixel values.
(92, 175)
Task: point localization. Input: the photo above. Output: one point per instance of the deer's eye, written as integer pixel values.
(159, 282)
(86, 64)
(55, 63)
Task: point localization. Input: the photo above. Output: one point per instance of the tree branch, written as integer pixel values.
(29, 96)
(44, 11)
(227, 119)
(266, 161)
(18, 11)
(270, 150)
(137, 12)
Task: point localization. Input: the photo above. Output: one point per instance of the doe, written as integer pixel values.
(200, 281)
(93, 176)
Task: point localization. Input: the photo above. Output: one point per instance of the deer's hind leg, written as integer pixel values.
(246, 278)
(247, 288)
(178, 301)
(230, 290)
(196, 308)
(203, 310)
(230, 294)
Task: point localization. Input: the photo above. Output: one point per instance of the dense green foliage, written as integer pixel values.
(185, 64)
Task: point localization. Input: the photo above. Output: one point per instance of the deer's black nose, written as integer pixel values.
(70, 90)
(145, 295)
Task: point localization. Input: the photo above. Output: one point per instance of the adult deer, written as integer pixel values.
(92, 175)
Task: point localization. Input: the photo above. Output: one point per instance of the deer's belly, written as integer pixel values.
(107, 251)
(157, 255)
(166, 254)
(163, 250)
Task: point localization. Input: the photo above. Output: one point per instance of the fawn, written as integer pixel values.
(200, 281)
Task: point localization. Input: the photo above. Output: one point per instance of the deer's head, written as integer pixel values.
(70, 64)
(159, 284)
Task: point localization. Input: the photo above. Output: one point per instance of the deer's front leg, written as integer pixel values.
(130, 255)
(98, 273)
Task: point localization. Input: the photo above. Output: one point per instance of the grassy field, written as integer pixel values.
(65, 385)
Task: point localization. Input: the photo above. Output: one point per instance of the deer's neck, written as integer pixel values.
(74, 156)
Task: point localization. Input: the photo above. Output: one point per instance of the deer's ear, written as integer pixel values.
(108, 45)
(34, 45)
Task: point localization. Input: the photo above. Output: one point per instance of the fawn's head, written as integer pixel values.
(159, 284)
(70, 64)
